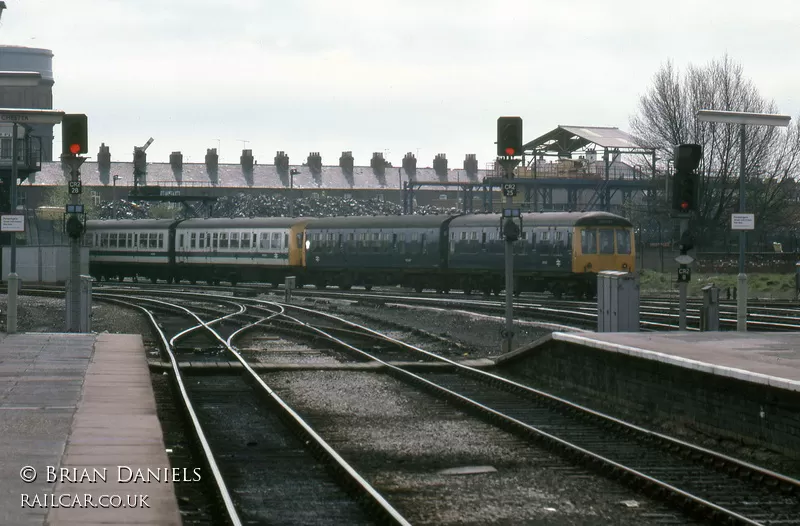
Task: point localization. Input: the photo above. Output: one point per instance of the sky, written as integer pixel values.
(390, 76)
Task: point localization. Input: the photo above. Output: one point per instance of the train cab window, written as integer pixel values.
(234, 243)
(245, 240)
(214, 240)
(623, 241)
(223, 240)
(589, 241)
(192, 240)
(202, 241)
(606, 241)
(299, 240)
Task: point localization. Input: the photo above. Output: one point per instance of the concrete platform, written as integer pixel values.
(742, 385)
(75, 410)
(764, 358)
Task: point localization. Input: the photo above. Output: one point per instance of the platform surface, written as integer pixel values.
(764, 358)
(81, 403)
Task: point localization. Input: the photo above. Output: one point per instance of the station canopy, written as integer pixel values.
(567, 139)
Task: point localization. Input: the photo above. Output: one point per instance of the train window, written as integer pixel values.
(135, 240)
(214, 240)
(394, 241)
(275, 243)
(299, 240)
(129, 243)
(473, 236)
(464, 235)
(415, 237)
(245, 240)
(192, 240)
(223, 240)
(351, 236)
(545, 236)
(202, 241)
(153, 241)
(623, 241)
(340, 242)
(523, 235)
(606, 241)
(559, 235)
(286, 241)
(452, 236)
(112, 240)
(234, 240)
(483, 238)
(180, 241)
(142, 240)
(160, 240)
(589, 241)
(424, 244)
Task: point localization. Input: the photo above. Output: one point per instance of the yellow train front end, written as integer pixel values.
(607, 243)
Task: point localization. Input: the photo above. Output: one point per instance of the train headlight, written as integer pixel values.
(308, 244)
(624, 266)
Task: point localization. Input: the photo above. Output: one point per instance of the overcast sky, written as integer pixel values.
(395, 76)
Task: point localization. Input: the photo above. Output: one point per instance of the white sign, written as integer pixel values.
(11, 115)
(12, 223)
(684, 259)
(743, 221)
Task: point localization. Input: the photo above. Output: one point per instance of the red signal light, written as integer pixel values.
(75, 148)
(510, 151)
(685, 205)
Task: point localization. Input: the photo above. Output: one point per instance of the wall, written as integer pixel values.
(43, 264)
(752, 413)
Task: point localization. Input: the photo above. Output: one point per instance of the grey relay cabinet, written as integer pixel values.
(617, 301)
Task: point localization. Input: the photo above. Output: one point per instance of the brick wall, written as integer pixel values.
(753, 413)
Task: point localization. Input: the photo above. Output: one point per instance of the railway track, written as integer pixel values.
(702, 483)
(240, 441)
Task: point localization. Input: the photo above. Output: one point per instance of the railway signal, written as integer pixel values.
(74, 134)
(686, 181)
(509, 136)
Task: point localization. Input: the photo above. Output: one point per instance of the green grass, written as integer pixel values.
(760, 286)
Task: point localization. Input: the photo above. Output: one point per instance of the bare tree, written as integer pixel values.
(667, 117)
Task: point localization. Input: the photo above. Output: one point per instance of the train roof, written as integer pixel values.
(243, 222)
(129, 224)
(546, 218)
(407, 221)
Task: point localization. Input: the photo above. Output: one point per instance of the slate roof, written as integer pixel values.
(232, 176)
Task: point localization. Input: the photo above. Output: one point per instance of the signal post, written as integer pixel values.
(685, 196)
(74, 141)
(509, 146)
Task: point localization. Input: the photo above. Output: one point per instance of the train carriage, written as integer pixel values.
(129, 248)
(376, 250)
(560, 252)
(236, 250)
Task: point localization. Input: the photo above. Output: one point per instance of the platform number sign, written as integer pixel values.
(684, 274)
(509, 189)
(75, 187)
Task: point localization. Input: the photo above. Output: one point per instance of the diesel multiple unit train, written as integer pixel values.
(558, 252)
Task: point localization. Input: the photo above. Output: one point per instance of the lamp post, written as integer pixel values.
(743, 119)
